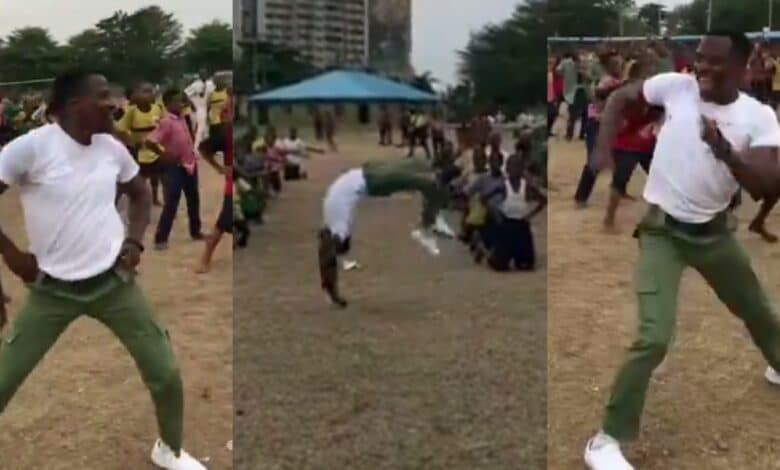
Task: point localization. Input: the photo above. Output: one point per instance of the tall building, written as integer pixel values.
(328, 33)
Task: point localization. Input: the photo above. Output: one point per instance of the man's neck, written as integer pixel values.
(726, 98)
(75, 131)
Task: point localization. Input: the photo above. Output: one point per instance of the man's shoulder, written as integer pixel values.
(110, 142)
(753, 108)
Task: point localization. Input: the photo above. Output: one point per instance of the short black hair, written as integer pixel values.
(740, 44)
(67, 86)
(170, 94)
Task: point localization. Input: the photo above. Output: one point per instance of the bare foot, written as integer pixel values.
(202, 269)
(762, 231)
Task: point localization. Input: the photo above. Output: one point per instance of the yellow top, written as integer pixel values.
(627, 68)
(776, 76)
(139, 125)
(217, 101)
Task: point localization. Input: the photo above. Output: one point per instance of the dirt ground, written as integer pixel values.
(711, 408)
(85, 406)
(436, 364)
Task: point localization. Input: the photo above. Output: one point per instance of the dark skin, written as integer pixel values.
(329, 267)
(81, 118)
(517, 169)
(719, 72)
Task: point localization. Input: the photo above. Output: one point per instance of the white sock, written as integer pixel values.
(602, 439)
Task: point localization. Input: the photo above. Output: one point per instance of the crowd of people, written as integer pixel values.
(581, 82)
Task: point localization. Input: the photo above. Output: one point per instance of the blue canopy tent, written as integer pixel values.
(342, 86)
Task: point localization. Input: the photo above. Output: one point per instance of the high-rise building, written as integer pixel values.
(327, 33)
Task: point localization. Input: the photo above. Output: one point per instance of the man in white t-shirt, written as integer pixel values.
(198, 91)
(714, 140)
(81, 260)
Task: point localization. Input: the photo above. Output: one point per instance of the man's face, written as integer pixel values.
(717, 69)
(94, 107)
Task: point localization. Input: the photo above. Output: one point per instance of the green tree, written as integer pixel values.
(652, 16)
(505, 63)
(143, 45)
(209, 47)
(30, 53)
(424, 82)
(745, 15)
(87, 50)
(275, 66)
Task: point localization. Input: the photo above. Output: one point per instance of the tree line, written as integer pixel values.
(146, 44)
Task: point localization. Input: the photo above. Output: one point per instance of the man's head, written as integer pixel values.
(142, 93)
(611, 62)
(515, 166)
(83, 97)
(496, 162)
(479, 159)
(721, 59)
(173, 98)
(293, 133)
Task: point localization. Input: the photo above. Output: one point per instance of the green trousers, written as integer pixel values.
(666, 249)
(408, 175)
(114, 300)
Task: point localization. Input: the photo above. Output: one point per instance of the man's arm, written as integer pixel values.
(611, 118)
(755, 169)
(140, 195)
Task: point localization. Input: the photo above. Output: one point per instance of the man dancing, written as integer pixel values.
(376, 179)
(689, 190)
(81, 260)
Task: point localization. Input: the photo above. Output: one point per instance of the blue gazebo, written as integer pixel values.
(344, 86)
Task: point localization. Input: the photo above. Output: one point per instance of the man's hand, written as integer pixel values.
(24, 265)
(709, 131)
(130, 257)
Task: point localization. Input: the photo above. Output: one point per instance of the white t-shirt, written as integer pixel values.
(295, 150)
(68, 194)
(341, 200)
(686, 180)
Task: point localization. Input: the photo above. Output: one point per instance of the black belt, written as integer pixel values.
(713, 226)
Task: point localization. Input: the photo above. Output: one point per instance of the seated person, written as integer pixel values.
(512, 238)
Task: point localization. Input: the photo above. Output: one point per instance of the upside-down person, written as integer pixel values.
(376, 179)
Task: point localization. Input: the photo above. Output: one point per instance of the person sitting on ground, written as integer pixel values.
(489, 189)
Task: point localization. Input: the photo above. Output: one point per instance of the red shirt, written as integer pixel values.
(228, 161)
(557, 85)
(637, 131)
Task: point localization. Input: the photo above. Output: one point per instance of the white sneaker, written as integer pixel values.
(163, 457)
(349, 265)
(603, 453)
(772, 376)
(441, 227)
(427, 241)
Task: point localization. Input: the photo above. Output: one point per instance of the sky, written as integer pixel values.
(442, 27)
(79, 15)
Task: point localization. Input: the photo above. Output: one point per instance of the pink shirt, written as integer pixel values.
(173, 134)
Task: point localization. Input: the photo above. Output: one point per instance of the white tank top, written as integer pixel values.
(515, 205)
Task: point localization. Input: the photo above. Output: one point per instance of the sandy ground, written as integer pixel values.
(437, 363)
(711, 408)
(85, 406)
